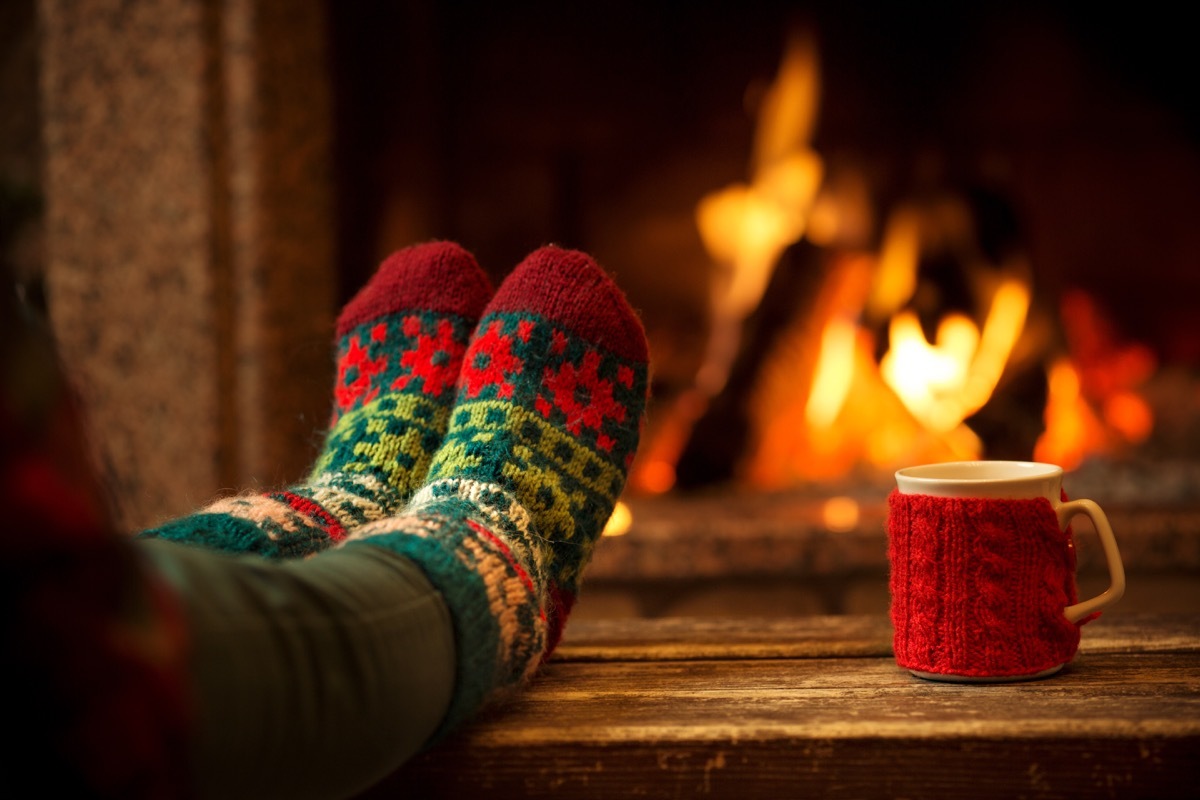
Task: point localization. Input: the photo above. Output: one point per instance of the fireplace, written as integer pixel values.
(858, 240)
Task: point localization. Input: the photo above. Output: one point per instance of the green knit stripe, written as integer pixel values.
(238, 534)
(392, 438)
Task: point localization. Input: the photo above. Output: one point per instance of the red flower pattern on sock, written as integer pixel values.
(583, 396)
(433, 359)
(490, 362)
(348, 392)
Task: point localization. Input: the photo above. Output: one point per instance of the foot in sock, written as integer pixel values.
(546, 422)
(401, 341)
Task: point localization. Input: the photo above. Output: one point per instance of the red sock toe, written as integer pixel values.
(438, 277)
(570, 289)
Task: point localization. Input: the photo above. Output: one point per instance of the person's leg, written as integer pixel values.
(400, 345)
(320, 676)
(310, 678)
(540, 440)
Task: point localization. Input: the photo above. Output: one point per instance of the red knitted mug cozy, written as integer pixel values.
(979, 585)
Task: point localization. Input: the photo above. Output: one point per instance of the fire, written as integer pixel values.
(840, 514)
(943, 383)
(825, 404)
(620, 521)
(1093, 406)
(912, 404)
(746, 226)
(834, 375)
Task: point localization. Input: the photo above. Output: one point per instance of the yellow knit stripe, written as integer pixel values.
(373, 447)
(581, 463)
(383, 452)
(556, 517)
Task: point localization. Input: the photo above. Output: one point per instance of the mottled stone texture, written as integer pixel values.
(188, 238)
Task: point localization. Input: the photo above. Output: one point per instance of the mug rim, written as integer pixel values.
(983, 477)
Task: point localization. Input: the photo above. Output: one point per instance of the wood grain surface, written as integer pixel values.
(817, 707)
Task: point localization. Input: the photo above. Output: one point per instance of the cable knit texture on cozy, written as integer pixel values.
(979, 585)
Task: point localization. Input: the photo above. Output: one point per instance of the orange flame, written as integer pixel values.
(824, 406)
(746, 227)
(945, 382)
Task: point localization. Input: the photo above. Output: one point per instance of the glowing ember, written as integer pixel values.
(840, 514)
(1071, 428)
(835, 372)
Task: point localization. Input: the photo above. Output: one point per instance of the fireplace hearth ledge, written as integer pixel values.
(729, 534)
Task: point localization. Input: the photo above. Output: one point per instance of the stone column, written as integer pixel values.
(189, 238)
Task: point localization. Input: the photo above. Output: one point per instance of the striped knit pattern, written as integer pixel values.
(550, 402)
(550, 399)
(559, 429)
(401, 342)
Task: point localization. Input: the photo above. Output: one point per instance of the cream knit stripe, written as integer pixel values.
(352, 497)
(499, 510)
(274, 516)
(343, 496)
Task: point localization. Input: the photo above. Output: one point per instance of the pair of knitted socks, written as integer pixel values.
(485, 436)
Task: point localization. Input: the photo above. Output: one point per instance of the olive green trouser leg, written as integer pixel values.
(312, 678)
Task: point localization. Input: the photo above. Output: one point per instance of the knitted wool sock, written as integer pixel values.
(971, 598)
(401, 340)
(549, 406)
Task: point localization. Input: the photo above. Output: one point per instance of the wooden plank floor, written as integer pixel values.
(817, 707)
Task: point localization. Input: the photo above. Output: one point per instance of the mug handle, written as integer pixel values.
(1116, 570)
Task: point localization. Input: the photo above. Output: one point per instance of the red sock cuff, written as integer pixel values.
(971, 598)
